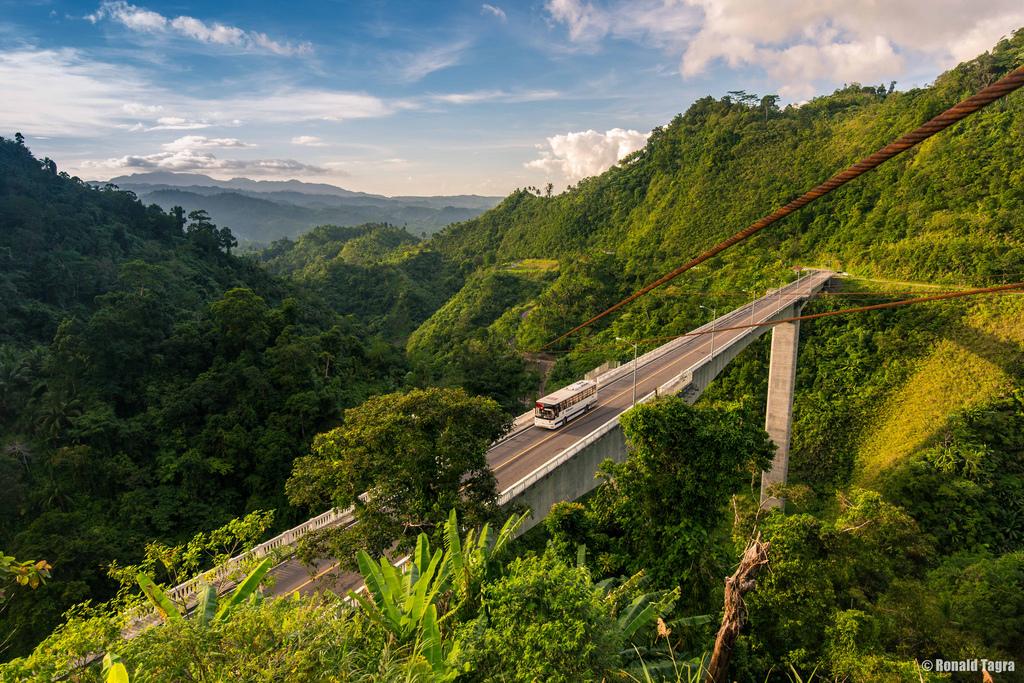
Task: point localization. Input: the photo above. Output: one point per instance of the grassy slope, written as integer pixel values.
(979, 361)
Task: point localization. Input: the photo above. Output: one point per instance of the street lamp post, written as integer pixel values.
(634, 364)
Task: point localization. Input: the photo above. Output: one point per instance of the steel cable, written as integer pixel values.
(984, 97)
(998, 289)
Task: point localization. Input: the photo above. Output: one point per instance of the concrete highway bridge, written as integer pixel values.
(539, 467)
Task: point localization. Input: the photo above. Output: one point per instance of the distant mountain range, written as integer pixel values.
(265, 210)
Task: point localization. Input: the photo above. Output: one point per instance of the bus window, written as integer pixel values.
(546, 412)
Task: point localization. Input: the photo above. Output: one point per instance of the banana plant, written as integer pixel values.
(165, 607)
(403, 602)
(643, 610)
(209, 609)
(472, 558)
(244, 591)
(114, 670)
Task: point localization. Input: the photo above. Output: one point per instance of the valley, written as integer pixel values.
(167, 403)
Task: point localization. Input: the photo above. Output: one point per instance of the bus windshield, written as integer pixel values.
(545, 412)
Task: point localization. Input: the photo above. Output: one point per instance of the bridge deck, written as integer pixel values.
(531, 448)
(528, 450)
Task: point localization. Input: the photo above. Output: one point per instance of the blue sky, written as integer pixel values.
(440, 97)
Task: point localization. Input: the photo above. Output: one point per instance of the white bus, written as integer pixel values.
(554, 410)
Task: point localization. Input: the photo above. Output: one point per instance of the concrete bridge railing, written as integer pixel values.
(574, 466)
(224, 575)
(570, 473)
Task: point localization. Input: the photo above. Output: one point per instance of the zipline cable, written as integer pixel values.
(1004, 86)
(1010, 288)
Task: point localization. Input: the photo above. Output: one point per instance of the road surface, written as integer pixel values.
(526, 451)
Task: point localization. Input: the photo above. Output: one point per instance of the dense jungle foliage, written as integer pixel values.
(154, 386)
(151, 385)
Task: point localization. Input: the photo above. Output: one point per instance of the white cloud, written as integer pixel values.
(496, 11)
(176, 123)
(586, 153)
(496, 96)
(139, 109)
(135, 18)
(797, 67)
(307, 105)
(657, 21)
(308, 141)
(58, 92)
(143, 20)
(190, 142)
(186, 160)
(194, 153)
(585, 21)
(67, 92)
(419, 65)
(800, 43)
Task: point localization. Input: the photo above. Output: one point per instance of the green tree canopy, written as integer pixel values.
(544, 621)
(416, 455)
(657, 510)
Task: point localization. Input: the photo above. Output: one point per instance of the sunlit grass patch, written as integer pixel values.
(973, 364)
(534, 264)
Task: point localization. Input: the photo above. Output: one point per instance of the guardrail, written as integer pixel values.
(520, 424)
(562, 457)
(525, 421)
(654, 354)
(187, 592)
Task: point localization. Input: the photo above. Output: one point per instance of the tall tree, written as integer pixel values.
(202, 231)
(179, 217)
(226, 240)
(414, 455)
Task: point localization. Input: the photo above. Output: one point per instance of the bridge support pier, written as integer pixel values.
(779, 413)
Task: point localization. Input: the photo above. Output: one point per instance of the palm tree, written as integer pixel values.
(56, 412)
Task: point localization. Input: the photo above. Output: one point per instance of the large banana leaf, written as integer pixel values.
(426, 585)
(432, 640)
(114, 670)
(393, 579)
(452, 542)
(244, 589)
(422, 555)
(640, 612)
(207, 607)
(384, 598)
(165, 607)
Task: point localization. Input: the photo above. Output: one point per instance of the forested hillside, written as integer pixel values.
(155, 385)
(261, 218)
(151, 385)
(262, 211)
(908, 422)
(946, 212)
(377, 272)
